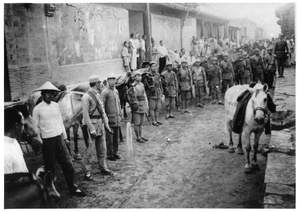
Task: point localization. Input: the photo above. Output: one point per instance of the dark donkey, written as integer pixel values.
(25, 190)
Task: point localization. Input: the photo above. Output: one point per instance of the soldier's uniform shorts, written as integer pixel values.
(185, 95)
(199, 91)
(154, 104)
(138, 118)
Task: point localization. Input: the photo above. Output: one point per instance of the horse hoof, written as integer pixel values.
(77, 156)
(248, 170)
(231, 150)
(255, 167)
(240, 151)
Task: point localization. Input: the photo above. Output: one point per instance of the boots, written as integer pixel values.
(137, 133)
(156, 117)
(140, 131)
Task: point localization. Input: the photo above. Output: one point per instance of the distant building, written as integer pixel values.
(248, 28)
(286, 15)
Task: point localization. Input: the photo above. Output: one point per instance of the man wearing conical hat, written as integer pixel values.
(50, 123)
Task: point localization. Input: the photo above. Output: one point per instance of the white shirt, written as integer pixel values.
(13, 157)
(142, 45)
(162, 50)
(49, 120)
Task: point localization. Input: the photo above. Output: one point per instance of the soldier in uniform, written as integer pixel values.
(215, 81)
(139, 114)
(243, 69)
(199, 79)
(95, 118)
(155, 94)
(270, 71)
(227, 73)
(258, 67)
(281, 51)
(112, 106)
(170, 85)
(185, 82)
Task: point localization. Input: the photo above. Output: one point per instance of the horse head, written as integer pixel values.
(259, 102)
(30, 132)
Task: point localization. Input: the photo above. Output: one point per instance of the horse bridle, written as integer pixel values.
(261, 109)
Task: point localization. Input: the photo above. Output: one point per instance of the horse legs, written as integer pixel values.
(77, 155)
(248, 149)
(124, 110)
(229, 128)
(240, 147)
(85, 134)
(255, 147)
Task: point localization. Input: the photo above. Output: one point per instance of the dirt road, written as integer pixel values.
(185, 172)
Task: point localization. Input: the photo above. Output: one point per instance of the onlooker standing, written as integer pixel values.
(137, 46)
(170, 88)
(133, 61)
(125, 56)
(227, 73)
(142, 49)
(257, 67)
(50, 123)
(280, 50)
(112, 106)
(13, 156)
(96, 120)
(163, 53)
(270, 68)
(215, 80)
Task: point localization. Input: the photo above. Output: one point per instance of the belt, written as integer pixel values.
(95, 117)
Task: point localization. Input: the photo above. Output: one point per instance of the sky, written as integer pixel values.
(263, 14)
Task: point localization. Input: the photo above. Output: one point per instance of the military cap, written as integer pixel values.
(197, 60)
(214, 59)
(137, 72)
(94, 79)
(152, 62)
(183, 61)
(245, 53)
(168, 63)
(256, 49)
(225, 54)
(112, 75)
(270, 48)
(47, 86)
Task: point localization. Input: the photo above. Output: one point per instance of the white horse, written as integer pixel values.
(255, 119)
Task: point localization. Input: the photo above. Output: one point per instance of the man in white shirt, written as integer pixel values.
(50, 123)
(163, 53)
(13, 157)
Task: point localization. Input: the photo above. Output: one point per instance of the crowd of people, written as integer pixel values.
(176, 77)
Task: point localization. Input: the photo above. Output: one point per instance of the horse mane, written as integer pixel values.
(23, 109)
(59, 96)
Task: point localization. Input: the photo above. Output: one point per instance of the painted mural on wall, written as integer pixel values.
(90, 33)
(166, 29)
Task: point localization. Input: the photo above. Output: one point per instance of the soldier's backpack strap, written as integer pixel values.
(97, 104)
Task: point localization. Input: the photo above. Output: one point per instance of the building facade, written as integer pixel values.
(286, 15)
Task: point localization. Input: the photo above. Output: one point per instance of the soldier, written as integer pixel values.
(139, 114)
(199, 79)
(95, 118)
(215, 81)
(257, 66)
(185, 82)
(170, 85)
(112, 106)
(227, 73)
(270, 71)
(243, 69)
(281, 51)
(155, 94)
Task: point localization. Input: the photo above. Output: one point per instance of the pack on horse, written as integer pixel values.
(25, 190)
(255, 118)
(70, 107)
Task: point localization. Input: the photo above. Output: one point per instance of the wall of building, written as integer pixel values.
(188, 31)
(80, 40)
(167, 29)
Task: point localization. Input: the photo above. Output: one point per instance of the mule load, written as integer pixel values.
(247, 112)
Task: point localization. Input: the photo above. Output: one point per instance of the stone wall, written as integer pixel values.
(80, 40)
(188, 31)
